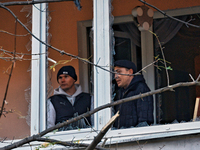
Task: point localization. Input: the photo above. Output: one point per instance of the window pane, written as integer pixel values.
(66, 39)
(182, 52)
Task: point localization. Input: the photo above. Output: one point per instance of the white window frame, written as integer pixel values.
(38, 70)
(38, 115)
(102, 84)
(157, 131)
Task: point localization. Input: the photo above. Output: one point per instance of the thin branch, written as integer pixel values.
(13, 34)
(16, 58)
(31, 2)
(191, 77)
(103, 131)
(90, 125)
(162, 147)
(3, 139)
(5, 95)
(148, 65)
(162, 12)
(140, 147)
(53, 141)
(87, 114)
(6, 111)
(62, 52)
(198, 78)
(6, 51)
(161, 48)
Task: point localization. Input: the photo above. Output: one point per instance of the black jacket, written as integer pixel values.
(136, 111)
(65, 110)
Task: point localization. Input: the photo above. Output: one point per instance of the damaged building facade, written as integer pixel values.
(102, 32)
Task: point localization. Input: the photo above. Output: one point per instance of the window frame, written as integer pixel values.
(38, 71)
(121, 135)
(155, 131)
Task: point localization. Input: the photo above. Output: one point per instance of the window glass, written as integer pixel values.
(181, 51)
(65, 105)
(130, 41)
(182, 55)
(127, 43)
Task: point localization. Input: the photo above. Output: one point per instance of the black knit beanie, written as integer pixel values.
(126, 64)
(67, 70)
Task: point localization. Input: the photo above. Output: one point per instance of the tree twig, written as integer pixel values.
(62, 52)
(6, 92)
(148, 65)
(31, 2)
(198, 78)
(103, 131)
(162, 12)
(191, 77)
(161, 49)
(6, 51)
(53, 141)
(12, 33)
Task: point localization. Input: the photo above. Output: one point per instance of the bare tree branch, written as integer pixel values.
(62, 52)
(161, 49)
(87, 114)
(103, 131)
(198, 78)
(14, 59)
(6, 51)
(149, 65)
(12, 33)
(31, 2)
(65, 143)
(162, 12)
(191, 77)
(5, 95)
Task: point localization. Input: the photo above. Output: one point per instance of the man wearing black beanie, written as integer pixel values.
(137, 112)
(68, 101)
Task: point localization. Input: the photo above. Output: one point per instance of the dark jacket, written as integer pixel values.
(65, 110)
(136, 111)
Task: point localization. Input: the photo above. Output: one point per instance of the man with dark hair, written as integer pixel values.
(137, 111)
(68, 101)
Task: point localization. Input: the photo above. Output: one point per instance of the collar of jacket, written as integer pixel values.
(133, 85)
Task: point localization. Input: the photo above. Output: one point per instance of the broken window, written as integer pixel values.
(182, 54)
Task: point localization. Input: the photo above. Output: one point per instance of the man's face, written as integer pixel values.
(66, 82)
(123, 81)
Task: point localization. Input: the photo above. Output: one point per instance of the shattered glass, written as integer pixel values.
(75, 125)
(28, 46)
